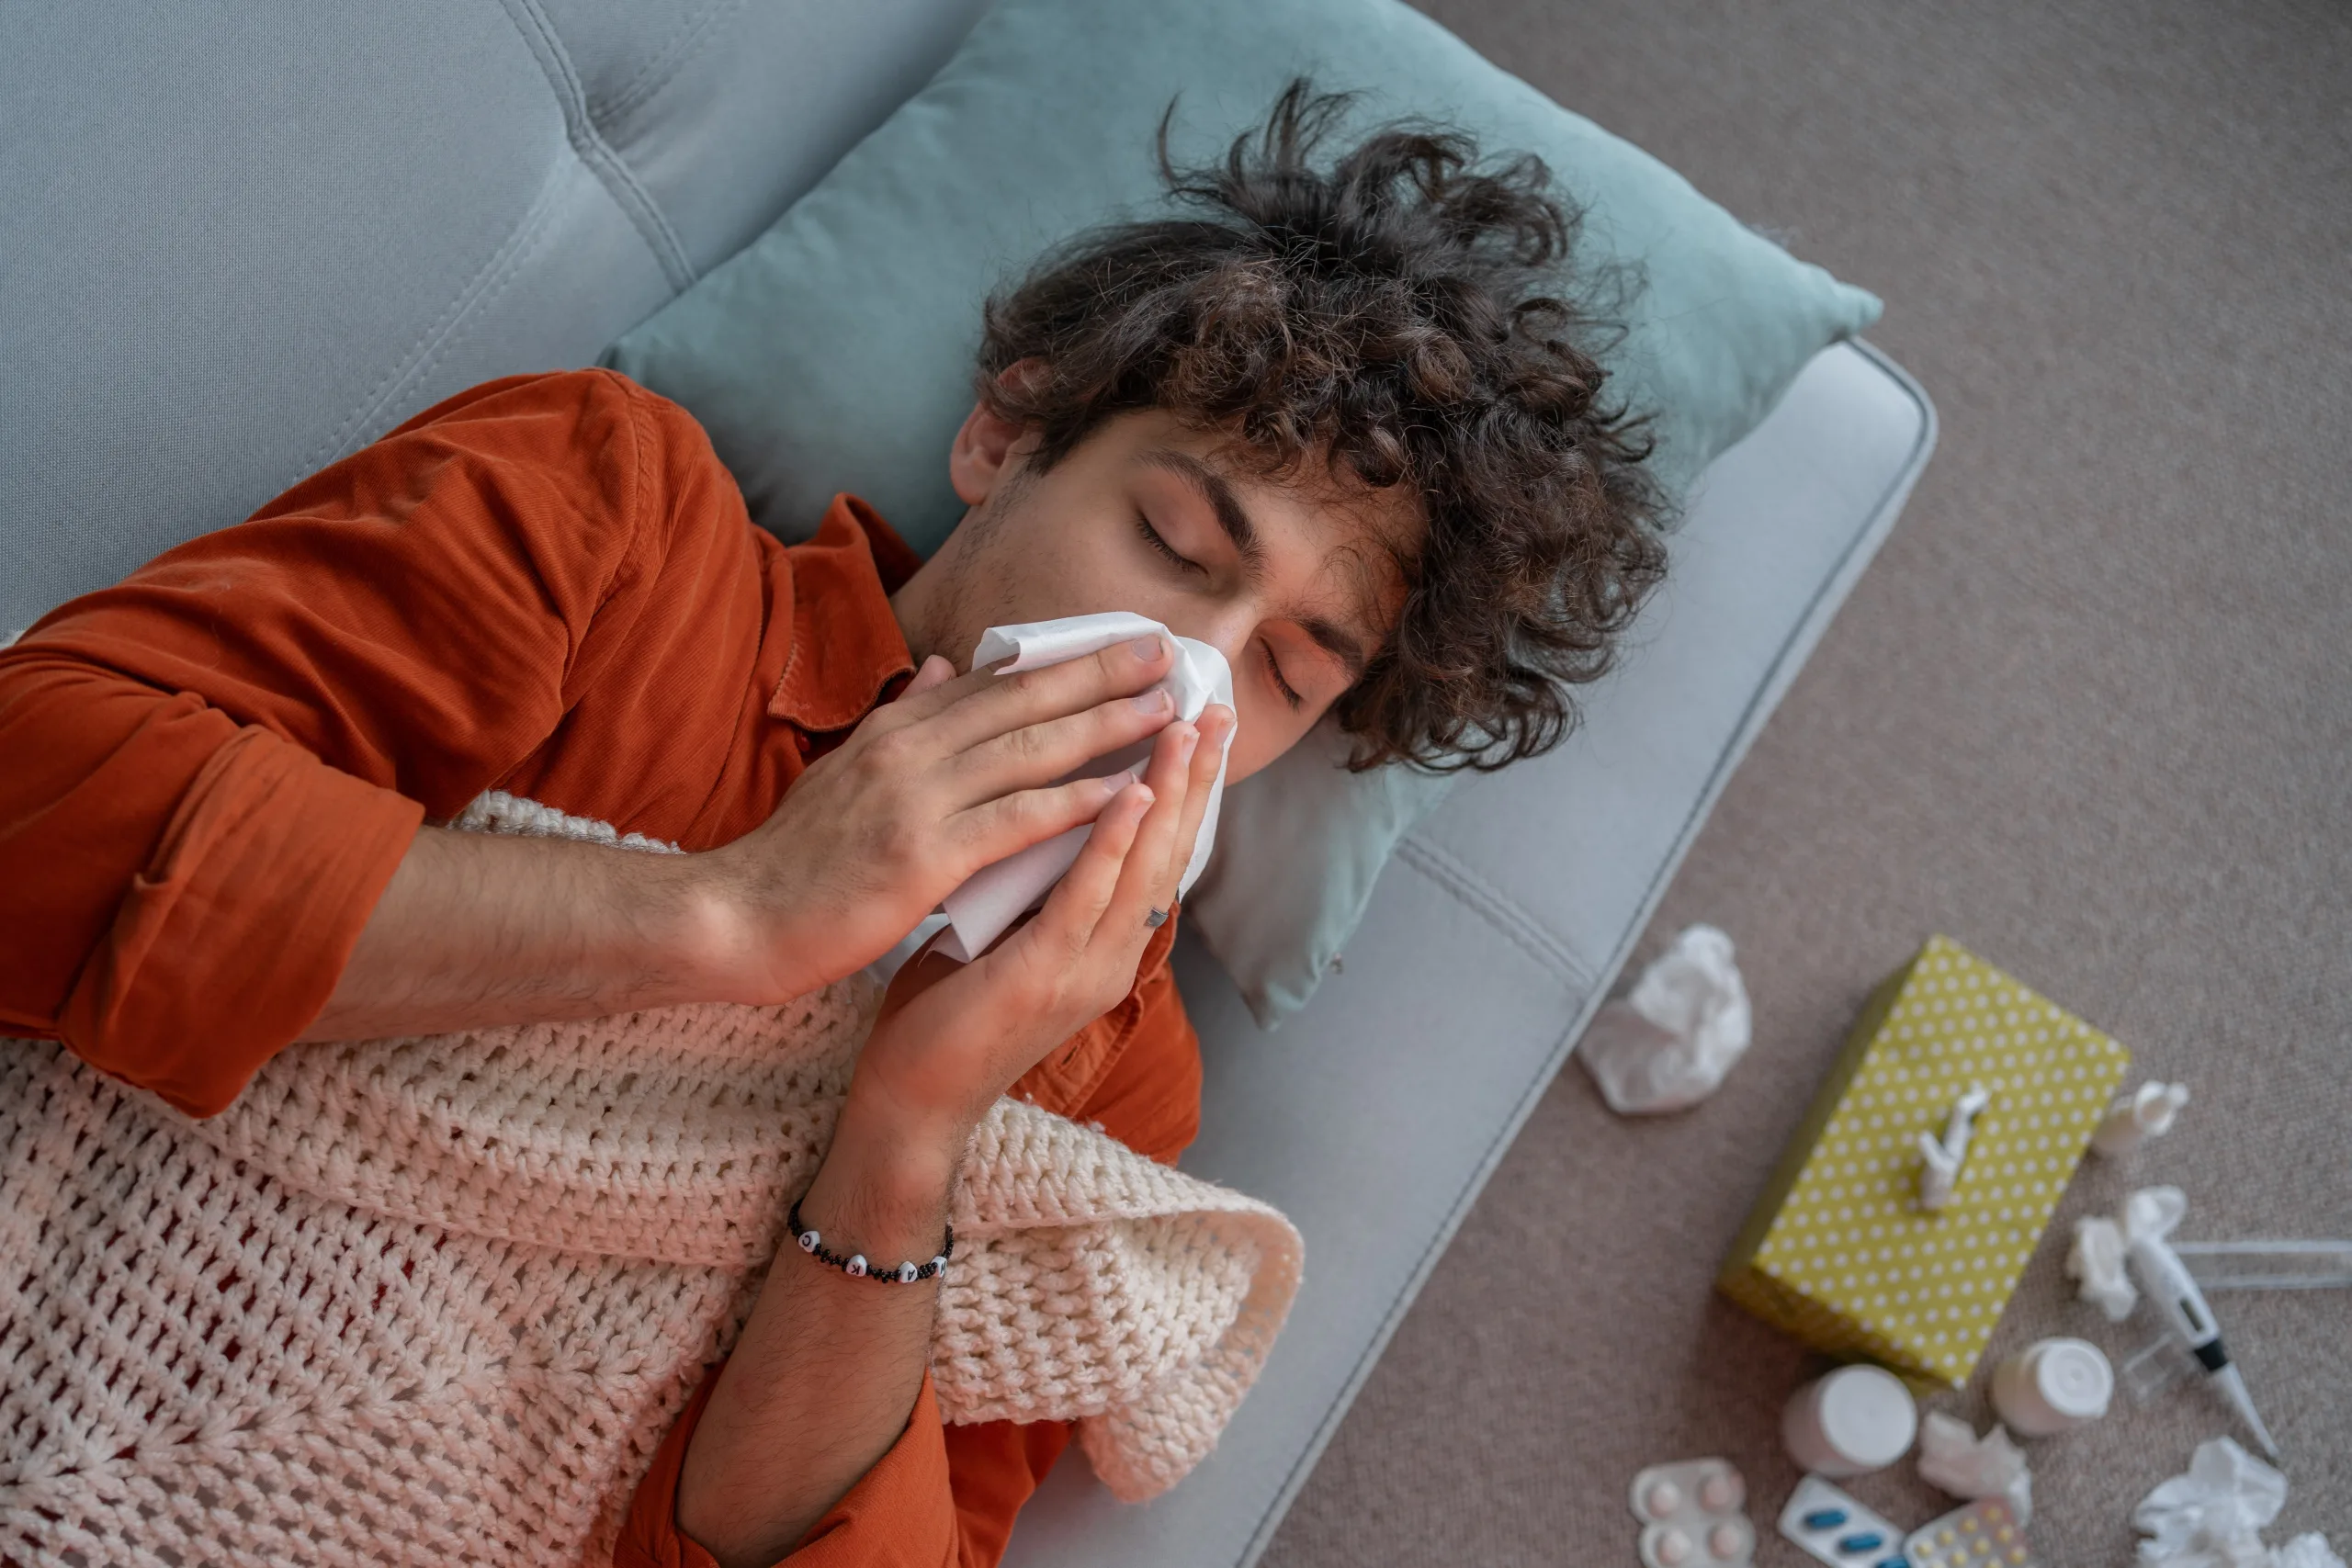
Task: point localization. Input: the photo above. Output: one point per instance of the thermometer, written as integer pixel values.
(2170, 1286)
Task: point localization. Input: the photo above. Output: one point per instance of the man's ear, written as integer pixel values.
(989, 446)
(981, 453)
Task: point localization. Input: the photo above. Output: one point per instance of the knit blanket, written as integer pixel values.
(440, 1300)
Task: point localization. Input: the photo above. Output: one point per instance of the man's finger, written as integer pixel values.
(986, 832)
(1074, 908)
(1216, 734)
(1141, 878)
(1006, 703)
(922, 701)
(1038, 753)
(935, 672)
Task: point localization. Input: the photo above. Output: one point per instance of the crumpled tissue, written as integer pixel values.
(1668, 1041)
(994, 897)
(1953, 1458)
(2096, 1261)
(2213, 1515)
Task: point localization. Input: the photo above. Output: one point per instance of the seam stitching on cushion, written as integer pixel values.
(470, 317)
(1498, 909)
(614, 173)
(663, 67)
(403, 371)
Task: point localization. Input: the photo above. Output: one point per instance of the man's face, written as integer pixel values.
(1293, 582)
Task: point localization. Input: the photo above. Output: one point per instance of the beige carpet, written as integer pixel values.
(2090, 714)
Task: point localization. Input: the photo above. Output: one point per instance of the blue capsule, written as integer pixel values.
(1894, 1562)
(1824, 1518)
(1870, 1540)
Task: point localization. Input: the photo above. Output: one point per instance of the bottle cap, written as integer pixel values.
(2072, 1378)
(1868, 1416)
(1855, 1420)
(2055, 1385)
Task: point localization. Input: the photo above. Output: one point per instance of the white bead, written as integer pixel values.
(908, 1273)
(857, 1266)
(939, 1266)
(809, 1241)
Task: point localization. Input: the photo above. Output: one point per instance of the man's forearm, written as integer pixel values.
(821, 1384)
(476, 930)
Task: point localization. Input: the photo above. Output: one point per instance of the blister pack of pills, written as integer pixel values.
(1690, 1516)
(1986, 1534)
(1839, 1532)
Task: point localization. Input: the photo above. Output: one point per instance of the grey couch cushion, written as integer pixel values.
(1373, 1117)
(243, 240)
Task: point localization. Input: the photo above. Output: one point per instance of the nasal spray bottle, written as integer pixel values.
(2169, 1284)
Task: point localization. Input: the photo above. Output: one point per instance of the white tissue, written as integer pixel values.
(2096, 1260)
(1954, 1458)
(993, 897)
(1669, 1042)
(1942, 1157)
(2212, 1516)
(2147, 1112)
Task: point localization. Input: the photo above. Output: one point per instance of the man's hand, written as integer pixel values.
(478, 929)
(822, 1381)
(957, 774)
(951, 1037)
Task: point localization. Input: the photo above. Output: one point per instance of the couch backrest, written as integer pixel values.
(238, 241)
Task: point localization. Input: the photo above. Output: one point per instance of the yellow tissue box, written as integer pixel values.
(1838, 1252)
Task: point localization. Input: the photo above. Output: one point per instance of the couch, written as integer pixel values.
(243, 240)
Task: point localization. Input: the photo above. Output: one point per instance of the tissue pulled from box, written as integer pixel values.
(1669, 1042)
(996, 895)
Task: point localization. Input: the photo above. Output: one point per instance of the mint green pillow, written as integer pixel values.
(835, 352)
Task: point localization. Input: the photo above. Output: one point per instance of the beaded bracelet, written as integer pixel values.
(854, 1265)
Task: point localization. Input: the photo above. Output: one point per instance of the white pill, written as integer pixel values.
(1725, 1541)
(1720, 1492)
(1673, 1548)
(1664, 1498)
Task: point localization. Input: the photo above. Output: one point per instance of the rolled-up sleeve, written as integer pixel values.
(914, 1508)
(210, 771)
(947, 1496)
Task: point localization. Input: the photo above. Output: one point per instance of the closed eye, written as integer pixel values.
(1274, 669)
(1151, 536)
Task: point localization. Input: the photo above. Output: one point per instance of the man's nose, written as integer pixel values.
(1229, 630)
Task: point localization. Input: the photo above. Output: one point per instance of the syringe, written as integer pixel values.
(2170, 1286)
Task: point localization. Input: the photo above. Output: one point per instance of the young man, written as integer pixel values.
(1331, 425)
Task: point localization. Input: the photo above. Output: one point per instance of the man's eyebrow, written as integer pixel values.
(1340, 643)
(1210, 486)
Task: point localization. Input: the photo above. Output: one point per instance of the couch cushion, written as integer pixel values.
(243, 240)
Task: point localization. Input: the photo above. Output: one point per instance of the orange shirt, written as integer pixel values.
(547, 585)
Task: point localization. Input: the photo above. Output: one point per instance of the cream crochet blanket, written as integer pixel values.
(438, 1301)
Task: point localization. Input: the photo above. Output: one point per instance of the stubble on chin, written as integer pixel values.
(964, 593)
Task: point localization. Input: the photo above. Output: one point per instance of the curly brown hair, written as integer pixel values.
(1392, 314)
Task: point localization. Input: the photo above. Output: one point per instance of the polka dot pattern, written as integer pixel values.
(1849, 1262)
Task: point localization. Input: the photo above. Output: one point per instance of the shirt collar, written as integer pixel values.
(847, 655)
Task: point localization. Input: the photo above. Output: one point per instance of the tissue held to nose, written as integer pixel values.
(977, 913)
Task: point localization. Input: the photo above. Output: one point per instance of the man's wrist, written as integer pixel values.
(732, 949)
(885, 1186)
